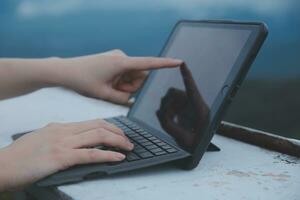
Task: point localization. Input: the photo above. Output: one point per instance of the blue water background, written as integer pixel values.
(41, 28)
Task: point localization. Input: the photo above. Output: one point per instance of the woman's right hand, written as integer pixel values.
(56, 147)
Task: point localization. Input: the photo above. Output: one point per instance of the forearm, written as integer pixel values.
(21, 76)
(111, 76)
(6, 169)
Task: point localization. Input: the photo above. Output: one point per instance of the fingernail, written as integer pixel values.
(127, 140)
(120, 156)
(131, 146)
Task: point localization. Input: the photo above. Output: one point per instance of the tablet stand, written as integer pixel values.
(213, 147)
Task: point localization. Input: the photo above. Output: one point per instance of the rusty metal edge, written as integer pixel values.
(260, 138)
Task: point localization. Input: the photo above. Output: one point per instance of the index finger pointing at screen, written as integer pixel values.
(146, 63)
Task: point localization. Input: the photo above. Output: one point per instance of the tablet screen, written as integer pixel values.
(172, 106)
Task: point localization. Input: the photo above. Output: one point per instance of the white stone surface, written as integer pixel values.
(239, 171)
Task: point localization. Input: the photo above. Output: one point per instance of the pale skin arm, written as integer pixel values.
(111, 76)
(21, 76)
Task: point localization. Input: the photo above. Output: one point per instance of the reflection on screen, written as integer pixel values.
(169, 104)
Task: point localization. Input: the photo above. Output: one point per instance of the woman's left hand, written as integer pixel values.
(111, 76)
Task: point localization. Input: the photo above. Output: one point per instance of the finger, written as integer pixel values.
(132, 75)
(117, 96)
(130, 87)
(80, 127)
(113, 128)
(145, 63)
(99, 123)
(100, 137)
(86, 156)
(132, 82)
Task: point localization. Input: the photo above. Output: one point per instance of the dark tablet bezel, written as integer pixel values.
(231, 85)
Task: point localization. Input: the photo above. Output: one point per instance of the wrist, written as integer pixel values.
(59, 72)
(49, 72)
(34, 72)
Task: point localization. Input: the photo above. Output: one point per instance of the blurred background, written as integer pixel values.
(269, 98)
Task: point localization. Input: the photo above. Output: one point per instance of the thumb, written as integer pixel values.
(117, 96)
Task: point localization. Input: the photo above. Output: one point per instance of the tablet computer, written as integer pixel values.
(178, 110)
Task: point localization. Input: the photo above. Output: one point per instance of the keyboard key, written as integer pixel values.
(172, 150)
(159, 153)
(139, 150)
(156, 150)
(156, 141)
(165, 146)
(152, 138)
(137, 146)
(151, 146)
(146, 143)
(137, 138)
(147, 135)
(132, 135)
(160, 143)
(146, 155)
(132, 157)
(144, 134)
(134, 128)
(143, 140)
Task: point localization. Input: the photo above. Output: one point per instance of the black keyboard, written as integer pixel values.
(145, 144)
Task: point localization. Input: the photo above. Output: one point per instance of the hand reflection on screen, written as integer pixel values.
(184, 114)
